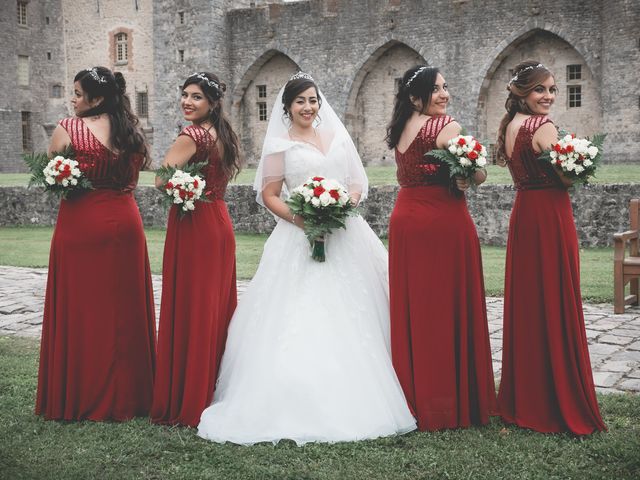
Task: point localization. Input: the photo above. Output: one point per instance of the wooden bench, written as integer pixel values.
(626, 269)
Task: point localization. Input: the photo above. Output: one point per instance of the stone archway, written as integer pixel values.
(564, 61)
(371, 99)
(254, 97)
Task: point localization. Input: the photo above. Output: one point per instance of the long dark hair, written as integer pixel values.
(126, 137)
(213, 89)
(295, 87)
(528, 75)
(421, 80)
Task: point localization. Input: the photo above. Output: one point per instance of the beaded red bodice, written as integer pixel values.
(206, 151)
(414, 168)
(527, 171)
(102, 167)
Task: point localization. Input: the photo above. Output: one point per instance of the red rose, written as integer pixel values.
(473, 155)
(462, 141)
(182, 193)
(190, 194)
(558, 162)
(557, 147)
(580, 159)
(569, 148)
(478, 147)
(195, 184)
(318, 191)
(334, 194)
(317, 179)
(169, 185)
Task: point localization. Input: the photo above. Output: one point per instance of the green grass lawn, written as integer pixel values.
(29, 247)
(31, 448)
(387, 176)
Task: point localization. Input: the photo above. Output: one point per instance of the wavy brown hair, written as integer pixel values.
(528, 75)
(125, 137)
(213, 89)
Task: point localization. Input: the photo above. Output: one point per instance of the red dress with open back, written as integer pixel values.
(198, 296)
(439, 332)
(97, 351)
(546, 382)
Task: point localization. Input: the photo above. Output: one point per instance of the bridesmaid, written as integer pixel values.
(199, 269)
(439, 335)
(547, 383)
(98, 334)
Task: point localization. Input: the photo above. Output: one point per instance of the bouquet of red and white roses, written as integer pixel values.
(324, 204)
(59, 175)
(183, 187)
(464, 154)
(578, 158)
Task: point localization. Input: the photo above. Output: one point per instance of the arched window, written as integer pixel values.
(122, 52)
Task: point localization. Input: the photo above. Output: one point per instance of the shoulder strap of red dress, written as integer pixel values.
(76, 129)
(534, 122)
(434, 126)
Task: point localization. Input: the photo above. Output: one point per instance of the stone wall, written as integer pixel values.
(600, 210)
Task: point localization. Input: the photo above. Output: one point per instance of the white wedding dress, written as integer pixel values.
(308, 353)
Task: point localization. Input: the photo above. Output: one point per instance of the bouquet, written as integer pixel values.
(183, 187)
(59, 175)
(324, 204)
(578, 158)
(464, 155)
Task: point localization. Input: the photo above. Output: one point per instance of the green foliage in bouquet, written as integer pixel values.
(165, 173)
(37, 163)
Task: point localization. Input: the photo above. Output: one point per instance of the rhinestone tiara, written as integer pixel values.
(530, 67)
(94, 74)
(417, 72)
(298, 75)
(207, 80)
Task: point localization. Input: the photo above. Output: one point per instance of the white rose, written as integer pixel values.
(567, 138)
(50, 180)
(315, 202)
(325, 199)
(562, 158)
(453, 149)
(74, 181)
(481, 161)
(578, 169)
(65, 183)
(587, 163)
(592, 151)
(58, 158)
(465, 162)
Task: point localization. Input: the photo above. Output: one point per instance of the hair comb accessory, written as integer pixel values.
(413, 77)
(207, 80)
(94, 74)
(298, 75)
(530, 67)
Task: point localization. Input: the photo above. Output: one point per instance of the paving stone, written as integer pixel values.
(634, 346)
(591, 334)
(632, 384)
(634, 373)
(622, 366)
(615, 339)
(606, 379)
(603, 349)
(609, 391)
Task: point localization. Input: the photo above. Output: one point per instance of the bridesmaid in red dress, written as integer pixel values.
(546, 383)
(199, 267)
(98, 334)
(439, 334)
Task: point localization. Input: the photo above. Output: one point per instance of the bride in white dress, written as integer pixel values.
(307, 355)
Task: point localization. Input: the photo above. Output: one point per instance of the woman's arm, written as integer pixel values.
(178, 155)
(59, 141)
(543, 139)
(272, 200)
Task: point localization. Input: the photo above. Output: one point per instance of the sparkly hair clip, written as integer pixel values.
(298, 75)
(530, 67)
(413, 77)
(207, 80)
(94, 74)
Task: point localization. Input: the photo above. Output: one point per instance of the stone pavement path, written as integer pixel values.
(614, 340)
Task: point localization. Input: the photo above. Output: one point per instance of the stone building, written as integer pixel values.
(356, 50)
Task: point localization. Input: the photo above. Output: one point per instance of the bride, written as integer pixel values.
(307, 355)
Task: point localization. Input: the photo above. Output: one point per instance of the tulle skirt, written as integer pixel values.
(307, 355)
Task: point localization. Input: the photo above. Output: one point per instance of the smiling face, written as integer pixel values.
(541, 98)
(439, 97)
(195, 106)
(304, 108)
(79, 100)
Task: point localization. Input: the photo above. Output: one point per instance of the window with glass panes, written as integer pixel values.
(27, 144)
(262, 111)
(142, 104)
(262, 91)
(574, 96)
(122, 54)
(574, 72)
(22, 13)
(23, 70)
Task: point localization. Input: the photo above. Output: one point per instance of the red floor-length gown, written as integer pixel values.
(198, 296)
(439, 332)
(98, 334)
(546, 383)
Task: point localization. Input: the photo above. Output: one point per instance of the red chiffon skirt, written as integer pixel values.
(546, 383)
(198, 301)
(98, 334)
(439, 334)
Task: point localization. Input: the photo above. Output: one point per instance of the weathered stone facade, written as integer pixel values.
(599, 210)
(356, 49)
